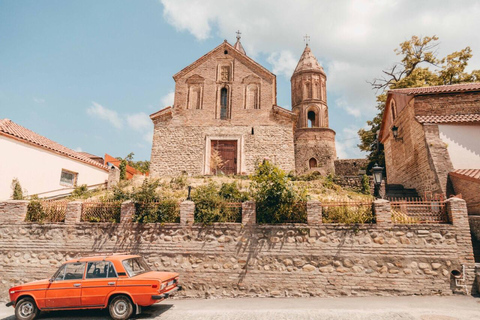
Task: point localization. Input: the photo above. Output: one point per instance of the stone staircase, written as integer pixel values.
(397, 191)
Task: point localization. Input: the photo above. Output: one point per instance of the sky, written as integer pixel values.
(87, 74)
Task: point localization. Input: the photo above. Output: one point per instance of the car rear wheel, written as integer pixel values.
(26, 309)
(120, 308)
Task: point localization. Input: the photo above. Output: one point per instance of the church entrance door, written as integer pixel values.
(226, 151)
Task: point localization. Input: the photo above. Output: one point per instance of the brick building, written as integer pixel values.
(225, 107)
(438, 133)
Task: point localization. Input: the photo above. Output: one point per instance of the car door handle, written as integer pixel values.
(111, 283)
(77, 285)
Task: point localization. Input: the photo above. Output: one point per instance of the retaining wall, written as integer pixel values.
(233, 259)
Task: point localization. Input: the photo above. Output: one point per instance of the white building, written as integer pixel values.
(41, 165)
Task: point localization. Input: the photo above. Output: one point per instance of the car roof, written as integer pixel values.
(106, 257)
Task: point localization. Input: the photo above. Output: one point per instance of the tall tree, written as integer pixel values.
(418, 54)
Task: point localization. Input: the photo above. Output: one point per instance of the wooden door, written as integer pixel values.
(227, 151)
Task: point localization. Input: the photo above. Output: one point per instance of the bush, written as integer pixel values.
(349, 214)
(212, 203)
(35, 211)
(17, 190)
(278, 201)
(163, 211)
(81, 192)
(365, 184)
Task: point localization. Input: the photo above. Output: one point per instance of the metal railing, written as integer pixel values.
(413, 211)
(101, 211)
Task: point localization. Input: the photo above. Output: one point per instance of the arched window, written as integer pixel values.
(252, 97)
(394, 110)
(308, 89)
(312, 163)
(194, 98)
(223, 103)
(312, 119)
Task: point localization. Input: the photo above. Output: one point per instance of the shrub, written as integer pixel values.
(17, 190)
(276, 197)
(35, 211)
(163, 211)
(349, 214)
(147, 192)
(365, 184)
(212, 203)
(81, 192)
(179, 182)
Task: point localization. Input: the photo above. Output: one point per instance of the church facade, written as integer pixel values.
(225, 118)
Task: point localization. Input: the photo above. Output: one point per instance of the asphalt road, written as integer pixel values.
(371, 308)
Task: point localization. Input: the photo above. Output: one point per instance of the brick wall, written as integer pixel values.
(470, 191)
(229, 260)
(447, 103)
(413, 161)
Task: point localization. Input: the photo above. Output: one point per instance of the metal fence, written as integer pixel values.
(348, 211)
(46, 211)
(100, 211)
(412, 211)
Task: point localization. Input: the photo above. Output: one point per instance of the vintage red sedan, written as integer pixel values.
(122, 283)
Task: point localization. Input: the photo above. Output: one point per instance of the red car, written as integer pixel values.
(123, 283)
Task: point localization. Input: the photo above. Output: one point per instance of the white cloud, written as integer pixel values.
(167, 100)
(346, 144)
(283, 62)
(100, 112)
(352, 39)
(38, 100)
(139, 121)
(148, 137)
(78, 149)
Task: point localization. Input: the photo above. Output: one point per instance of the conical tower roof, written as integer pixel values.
(239, 47)
(308, 62)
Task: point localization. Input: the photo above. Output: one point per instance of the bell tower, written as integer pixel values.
(314, 140)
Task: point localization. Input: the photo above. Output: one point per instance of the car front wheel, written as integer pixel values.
(26, 309)
(120, 308)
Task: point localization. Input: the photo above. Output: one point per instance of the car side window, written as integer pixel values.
(100, 269)
(71, 271)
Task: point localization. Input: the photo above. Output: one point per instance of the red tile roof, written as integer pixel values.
(10, 129)
(451, 118)
(475, 86)
(469, 174)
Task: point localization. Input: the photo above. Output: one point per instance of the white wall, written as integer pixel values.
(463, 144)
(39, 170)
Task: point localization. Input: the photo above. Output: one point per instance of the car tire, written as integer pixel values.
(120, 308)
(26, 309)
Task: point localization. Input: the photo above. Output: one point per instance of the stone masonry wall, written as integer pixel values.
(350, 167)
(230, 260)
(317, 143)
(183, 148)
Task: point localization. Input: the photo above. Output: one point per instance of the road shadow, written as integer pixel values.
(151, 312)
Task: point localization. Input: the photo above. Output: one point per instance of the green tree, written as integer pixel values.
(418, 54)
(17, 190)
(142, 166)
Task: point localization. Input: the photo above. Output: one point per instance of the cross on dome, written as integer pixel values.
(306, 38)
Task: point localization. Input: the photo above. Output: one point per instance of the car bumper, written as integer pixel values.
(11, 303)
(167, 294)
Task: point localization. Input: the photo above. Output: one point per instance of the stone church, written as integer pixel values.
(225, 118)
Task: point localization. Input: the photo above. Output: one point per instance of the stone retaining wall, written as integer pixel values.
(233, 259)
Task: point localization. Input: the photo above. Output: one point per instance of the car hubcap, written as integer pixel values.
(120, 307)
(26, 309)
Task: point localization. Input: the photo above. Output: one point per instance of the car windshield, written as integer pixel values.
(135, 266)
